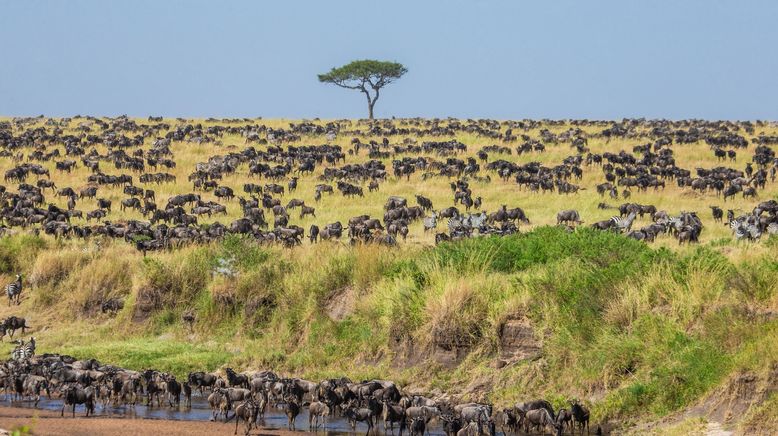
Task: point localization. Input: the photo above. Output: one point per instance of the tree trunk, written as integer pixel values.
(370, 102)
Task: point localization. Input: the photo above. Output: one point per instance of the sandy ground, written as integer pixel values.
(47, 422)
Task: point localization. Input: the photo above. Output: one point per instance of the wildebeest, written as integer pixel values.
(317, 414)
(220, 404)
(363, 414)
(568, 216)
(73, 395)
(236, 379)
(247, 411)
(88, 192)
(201, 380)
(718, 213)
(291, 409)
(539, 419)
(580, 415)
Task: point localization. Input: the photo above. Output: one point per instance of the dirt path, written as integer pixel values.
(715, 429)
(47, 422)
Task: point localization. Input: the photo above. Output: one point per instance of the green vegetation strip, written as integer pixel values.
(644, 331)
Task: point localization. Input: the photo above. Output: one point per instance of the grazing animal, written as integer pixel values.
(564, 419)
(291, 410)
(538, 419)
(24, 351)
(220, 403)
(363, 414)
(471, 429)
(14, 290)
(392, 414)
(13, 323)
(718, 213)
(418, 426)
(74, 395)
(317, 414)
(246, 411)
(580, 415)
(568, 216)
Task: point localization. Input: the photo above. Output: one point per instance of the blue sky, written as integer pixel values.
(498, 59)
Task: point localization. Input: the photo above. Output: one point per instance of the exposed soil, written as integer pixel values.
(47, 422)
(730, 402)
(341, 304)
(727, 405)
(517, 340)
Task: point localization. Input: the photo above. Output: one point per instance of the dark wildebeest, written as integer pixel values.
(291, 409)
(418, 426)
(580, 415)
(313, 233)
(88, 192)
(246, 411)
(517, 214)
(537, 404)
(564, 419)
(102, 203)
(76, 395)
(392, 414)
(363, 414)
(568, 216)
(718, 213)
(13, 323)
(307, 210)
(538, 419)
(451, 424)
(236, 379)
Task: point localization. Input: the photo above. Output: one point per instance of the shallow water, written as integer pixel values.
(274, 418)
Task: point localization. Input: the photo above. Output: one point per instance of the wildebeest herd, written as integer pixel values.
(246, 396)
(66, 177)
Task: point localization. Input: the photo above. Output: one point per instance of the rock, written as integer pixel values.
(518, 341)
(499, 363)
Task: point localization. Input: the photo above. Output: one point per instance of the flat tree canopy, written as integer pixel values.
(365, 75)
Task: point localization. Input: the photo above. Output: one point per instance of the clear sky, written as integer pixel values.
(497, 59)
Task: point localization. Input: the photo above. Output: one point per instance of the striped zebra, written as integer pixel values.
(623, 224)
(23, 351)
(14, 290)
(675, 224)
(745, 230)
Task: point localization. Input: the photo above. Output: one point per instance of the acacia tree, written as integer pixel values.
(363, 76)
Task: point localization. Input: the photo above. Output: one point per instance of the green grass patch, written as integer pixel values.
(167, 355)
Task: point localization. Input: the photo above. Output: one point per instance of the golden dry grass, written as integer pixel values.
(541, 208)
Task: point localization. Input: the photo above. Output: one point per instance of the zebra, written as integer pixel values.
(742, 229)
(14, 290)
(772, 229)
(23, 351)
(623, 224)
(430, 222)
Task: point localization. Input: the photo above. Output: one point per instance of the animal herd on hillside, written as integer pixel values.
(245, 397)
(253, 185)
(132, 158)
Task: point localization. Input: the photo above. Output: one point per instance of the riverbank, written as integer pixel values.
(48, 422)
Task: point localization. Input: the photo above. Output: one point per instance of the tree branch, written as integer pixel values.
(343, 84)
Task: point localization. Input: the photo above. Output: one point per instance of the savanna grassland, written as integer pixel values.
(643, 333)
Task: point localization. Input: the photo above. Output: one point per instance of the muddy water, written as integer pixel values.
(274, 418)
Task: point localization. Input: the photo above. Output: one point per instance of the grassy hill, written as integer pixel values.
(640, 333)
